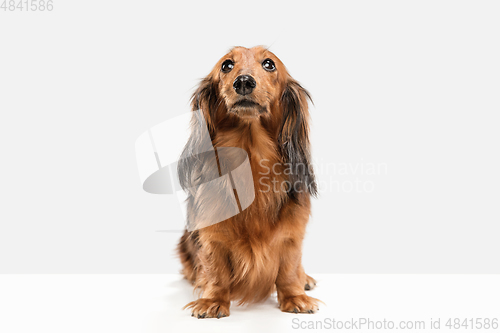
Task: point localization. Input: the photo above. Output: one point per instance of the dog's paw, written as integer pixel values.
(299, 304)
(310, 283)
(208, 308)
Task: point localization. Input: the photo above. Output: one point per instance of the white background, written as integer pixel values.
(411, 85)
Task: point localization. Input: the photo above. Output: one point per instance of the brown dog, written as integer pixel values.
(250, 101)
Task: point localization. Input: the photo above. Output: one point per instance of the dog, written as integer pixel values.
(249, 101)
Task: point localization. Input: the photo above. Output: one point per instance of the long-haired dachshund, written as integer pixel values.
(250, 101)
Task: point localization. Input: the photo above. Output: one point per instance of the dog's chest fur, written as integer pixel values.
(254, 234)
(267, 167)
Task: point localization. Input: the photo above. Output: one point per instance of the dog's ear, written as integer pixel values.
(206, 98)
(293, 139)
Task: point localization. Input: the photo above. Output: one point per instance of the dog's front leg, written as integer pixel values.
(214, 279)
(290, 286)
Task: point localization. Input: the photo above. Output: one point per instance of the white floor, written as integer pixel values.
(153, 303)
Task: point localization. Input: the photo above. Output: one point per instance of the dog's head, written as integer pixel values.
(250, 84)
(253, 85)
(250, 81)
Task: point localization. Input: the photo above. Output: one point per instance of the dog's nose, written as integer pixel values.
(244, 84)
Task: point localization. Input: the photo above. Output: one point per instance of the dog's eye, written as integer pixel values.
(268, 65)
(227, 66)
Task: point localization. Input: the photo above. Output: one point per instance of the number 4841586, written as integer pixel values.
(472, 323)
(27, 5)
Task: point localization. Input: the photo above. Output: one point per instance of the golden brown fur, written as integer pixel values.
(258, 251)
